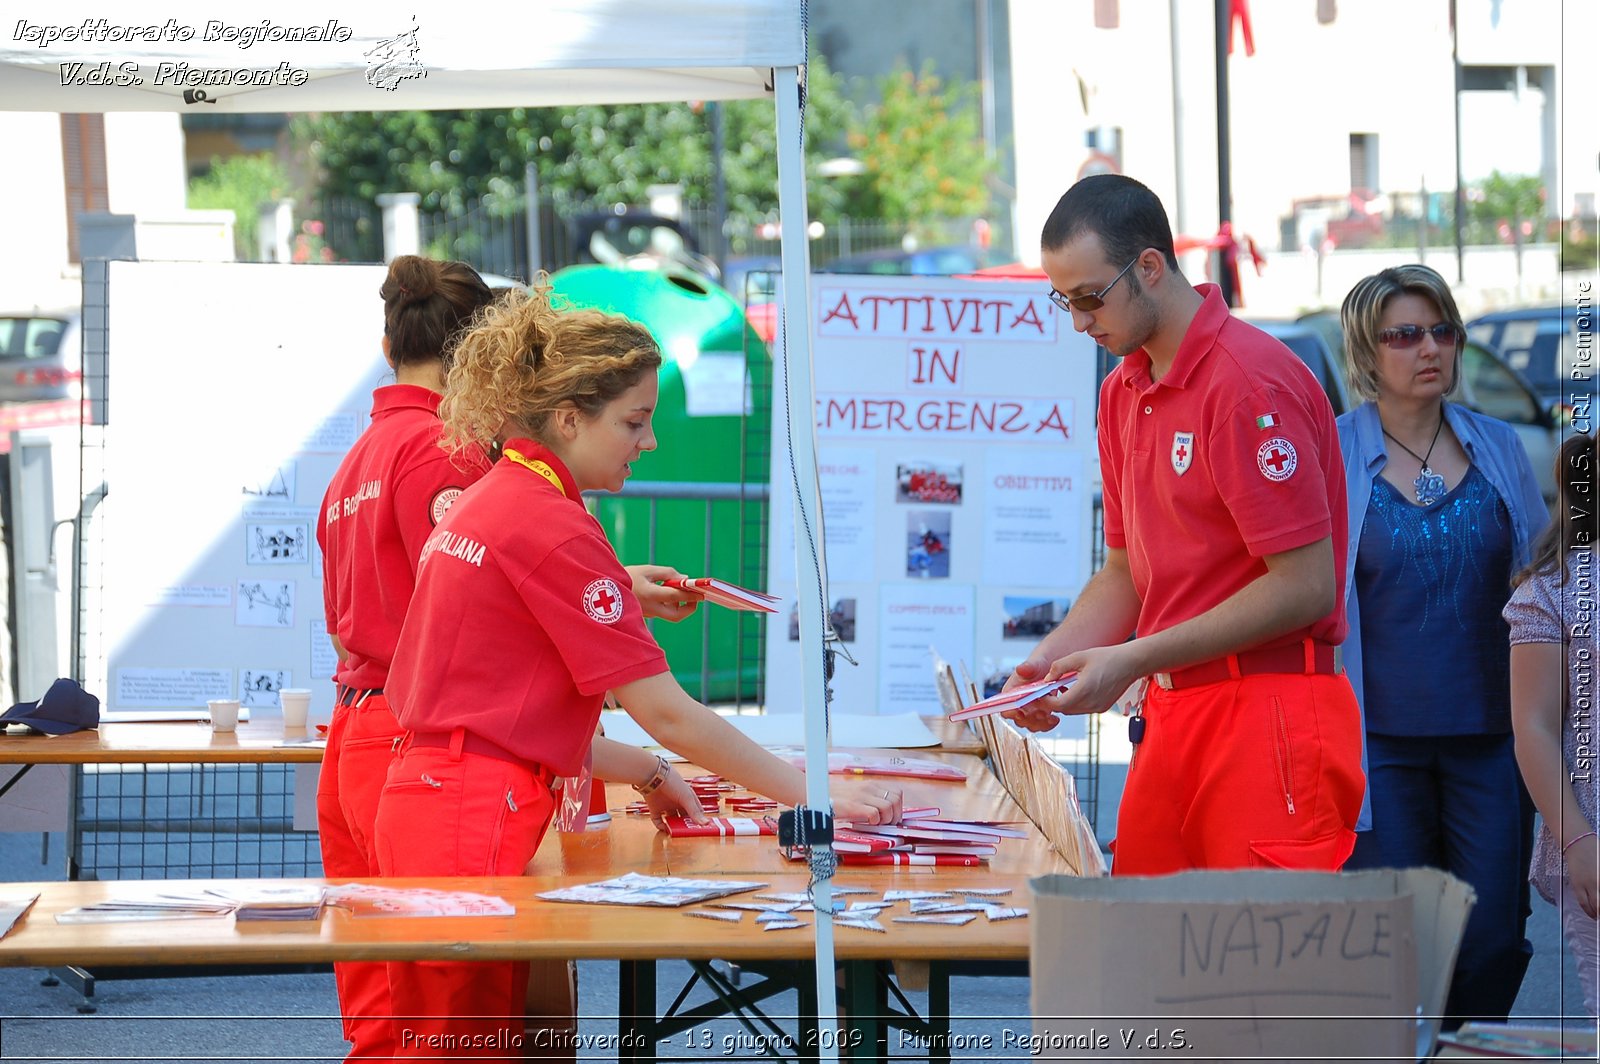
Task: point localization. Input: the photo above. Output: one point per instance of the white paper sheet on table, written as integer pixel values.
(898, 731)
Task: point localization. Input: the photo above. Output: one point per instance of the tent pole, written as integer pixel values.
(810, 569)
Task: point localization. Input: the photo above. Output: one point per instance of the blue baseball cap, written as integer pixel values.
(65, 708)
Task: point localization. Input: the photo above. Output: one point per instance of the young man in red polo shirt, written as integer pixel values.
(1225, 539)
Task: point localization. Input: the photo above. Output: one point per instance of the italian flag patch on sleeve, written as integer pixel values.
(1267, 421)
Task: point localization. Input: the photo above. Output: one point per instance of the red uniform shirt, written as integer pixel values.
(388, 494)
(1231, 456)
(523, 618)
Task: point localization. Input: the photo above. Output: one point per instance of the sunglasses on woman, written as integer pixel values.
(1403, 336)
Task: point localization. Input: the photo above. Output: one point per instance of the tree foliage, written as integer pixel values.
(1504, 197)
(923, 149)
(612, 154)
(241, 184)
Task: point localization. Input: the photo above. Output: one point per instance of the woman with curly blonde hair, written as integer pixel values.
(521, 622)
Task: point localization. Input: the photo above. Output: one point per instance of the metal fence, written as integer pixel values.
(203, 821)
(495, 234)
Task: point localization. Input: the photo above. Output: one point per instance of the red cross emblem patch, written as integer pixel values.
(602, 601)
(1182, 452)
(1276, 459)
(441, 503)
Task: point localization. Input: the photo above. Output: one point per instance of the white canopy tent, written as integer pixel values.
(140, 56)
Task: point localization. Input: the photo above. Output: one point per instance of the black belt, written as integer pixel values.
(355, 696)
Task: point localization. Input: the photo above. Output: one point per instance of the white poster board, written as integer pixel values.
(956, 454)
(236, 389)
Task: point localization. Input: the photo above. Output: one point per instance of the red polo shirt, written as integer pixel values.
(385, 499)
(523, 618)
(1231, 456)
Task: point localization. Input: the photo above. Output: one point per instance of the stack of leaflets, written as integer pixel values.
(158, 907)
(371, 899)
(1016, 698)
(12, 910)
(922, 838)
(636, 889)
(288, 902)
(725, 594)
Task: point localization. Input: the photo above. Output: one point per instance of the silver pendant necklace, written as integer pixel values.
(1429, 485)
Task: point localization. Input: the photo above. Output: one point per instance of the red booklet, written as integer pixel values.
(846, 841)
(681, 827)
(725, 594)
(1016, 698)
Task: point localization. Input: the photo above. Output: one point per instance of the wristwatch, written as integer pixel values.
(657, 778)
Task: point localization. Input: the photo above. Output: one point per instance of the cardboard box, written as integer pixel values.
(1244, 965)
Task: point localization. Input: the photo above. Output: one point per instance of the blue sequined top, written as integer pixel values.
(1432, 581)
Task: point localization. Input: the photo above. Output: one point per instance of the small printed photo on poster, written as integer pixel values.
(260, 687)
(276, 544)
(265, 604)
(928, 543)
(842, 616)
(274, 485)
(923, 482)
(1031, 618)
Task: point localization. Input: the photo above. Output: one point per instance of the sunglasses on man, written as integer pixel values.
(1090, 301)
(1403, 336)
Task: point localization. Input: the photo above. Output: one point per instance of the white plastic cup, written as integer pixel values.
(296, 704)
(224, 714)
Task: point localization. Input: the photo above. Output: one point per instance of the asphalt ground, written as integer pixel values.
(284, 1017)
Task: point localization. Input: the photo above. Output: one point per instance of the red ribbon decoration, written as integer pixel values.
(1239, 15)
(1229, 245)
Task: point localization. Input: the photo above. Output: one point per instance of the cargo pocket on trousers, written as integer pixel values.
(1325, 853)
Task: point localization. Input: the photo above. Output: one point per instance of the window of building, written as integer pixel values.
(83, 159)
(1364, 163)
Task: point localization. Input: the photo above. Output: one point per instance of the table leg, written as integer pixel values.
(938, 1017)
(867, 1002)
(636, 1011)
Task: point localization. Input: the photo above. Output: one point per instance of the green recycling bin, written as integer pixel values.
(713, 433)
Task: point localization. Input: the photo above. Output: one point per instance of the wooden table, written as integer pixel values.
(637, 937)
(168, 742)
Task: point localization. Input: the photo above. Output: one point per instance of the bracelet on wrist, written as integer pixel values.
(656, 779)
(1574, 842)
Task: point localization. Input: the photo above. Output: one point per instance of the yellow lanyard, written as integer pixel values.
(537, 465)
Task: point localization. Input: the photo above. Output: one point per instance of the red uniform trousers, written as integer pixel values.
(1258, 772)
(446, 811)
(361, 743)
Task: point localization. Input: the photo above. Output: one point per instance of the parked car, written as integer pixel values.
(1488, 385)
(1542, 344)
(1311, 345)
(935, 262)
(40, 356)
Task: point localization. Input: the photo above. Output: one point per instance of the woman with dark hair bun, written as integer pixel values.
(388, 494)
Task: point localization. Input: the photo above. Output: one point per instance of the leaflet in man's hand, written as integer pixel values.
(1017, 697)
(725, 594)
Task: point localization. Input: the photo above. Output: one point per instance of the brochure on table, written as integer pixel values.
(228, 421)
(956, 454)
